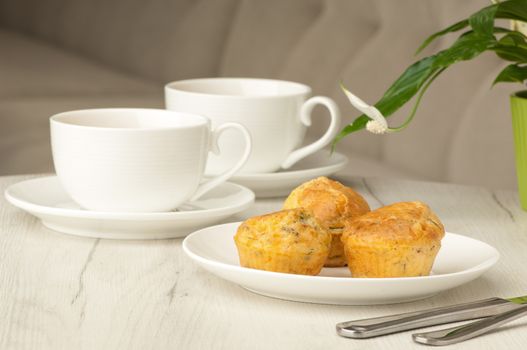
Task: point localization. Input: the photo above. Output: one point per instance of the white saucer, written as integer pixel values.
(284, 181)
(46, 199)
(213, 249)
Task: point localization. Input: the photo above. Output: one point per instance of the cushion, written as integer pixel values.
(162, 40)
(24, 135)
(30, 67)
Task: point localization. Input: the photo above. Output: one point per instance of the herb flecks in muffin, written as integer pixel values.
(331, 203)
(290, 241)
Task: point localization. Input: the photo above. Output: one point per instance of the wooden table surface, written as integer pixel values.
(65, 292)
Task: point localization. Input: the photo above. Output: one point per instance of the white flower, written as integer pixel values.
(377, 124)
(375, 127)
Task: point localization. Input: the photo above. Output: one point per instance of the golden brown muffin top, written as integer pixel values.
(398, 223)
(284, 231)
(329, 200)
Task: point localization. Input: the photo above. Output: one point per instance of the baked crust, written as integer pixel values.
(290, 241)
(398, 223)
(398, 240)
(332, 204)
(330, 201)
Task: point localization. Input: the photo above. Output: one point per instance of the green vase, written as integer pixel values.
(519, 127)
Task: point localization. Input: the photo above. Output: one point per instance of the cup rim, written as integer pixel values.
(173, 87)
(59, 119)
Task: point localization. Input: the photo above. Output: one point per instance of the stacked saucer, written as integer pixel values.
(280, 183)
(46, 199)
(277, 114)
(128, 173)
(122, 171)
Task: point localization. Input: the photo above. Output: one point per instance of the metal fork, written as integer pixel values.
(377, 326)
(495, 311)
(461, 333)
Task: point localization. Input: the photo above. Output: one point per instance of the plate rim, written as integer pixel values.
(480, 267)
(285, 175)
(124, 216)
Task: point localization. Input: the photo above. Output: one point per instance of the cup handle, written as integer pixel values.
(214, 148)
(305, 118)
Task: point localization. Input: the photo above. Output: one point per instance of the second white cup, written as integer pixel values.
(275, 112)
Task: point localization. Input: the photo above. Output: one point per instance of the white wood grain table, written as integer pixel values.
(65, 292)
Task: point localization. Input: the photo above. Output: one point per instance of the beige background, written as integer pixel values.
(57, 55)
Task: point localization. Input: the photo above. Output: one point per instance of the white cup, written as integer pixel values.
(136, 160)
(275, 112)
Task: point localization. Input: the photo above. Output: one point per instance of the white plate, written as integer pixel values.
(282, 182)
(46, 199)
(213, 248)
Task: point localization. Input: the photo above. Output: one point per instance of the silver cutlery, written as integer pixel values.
(497, 310)
(461, 333)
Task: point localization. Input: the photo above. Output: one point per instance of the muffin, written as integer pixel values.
(332, 204)
(290, 241)
(398, 240)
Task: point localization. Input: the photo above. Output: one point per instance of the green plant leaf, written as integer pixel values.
(502, 30)
(466, 47)
(482, 22)
(512, 74)
(514, 39)
(511, 54)
(400, 92)
(512, 47)
(418, 101)
(412, 80)
(409, 82)
(453, 28)
(512, 9)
